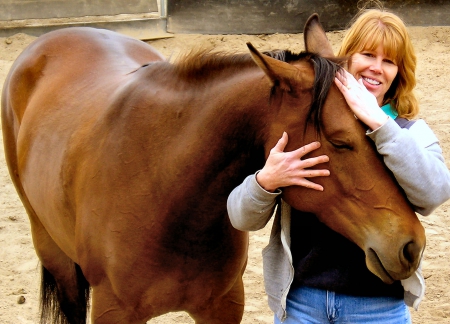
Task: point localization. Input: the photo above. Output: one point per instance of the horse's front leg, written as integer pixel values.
(107, 308)
(227, 309)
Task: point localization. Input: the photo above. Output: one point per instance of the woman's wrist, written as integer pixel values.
(377, 122)
(264, 181)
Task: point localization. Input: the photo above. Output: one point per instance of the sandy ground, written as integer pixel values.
(19, 272)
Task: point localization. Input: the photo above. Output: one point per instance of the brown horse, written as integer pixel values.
(124, 162)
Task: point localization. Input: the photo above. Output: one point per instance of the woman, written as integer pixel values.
(331, 283)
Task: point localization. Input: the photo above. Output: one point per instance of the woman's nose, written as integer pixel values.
(376, 66)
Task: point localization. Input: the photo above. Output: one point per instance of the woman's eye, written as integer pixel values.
(390, 61)
(342, 146)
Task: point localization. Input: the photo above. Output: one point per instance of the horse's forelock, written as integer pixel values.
(325, 71)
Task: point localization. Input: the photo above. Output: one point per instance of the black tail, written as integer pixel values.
(60, 305)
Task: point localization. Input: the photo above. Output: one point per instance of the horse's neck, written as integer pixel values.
(222, 117)
(238, 108)
(232, 117)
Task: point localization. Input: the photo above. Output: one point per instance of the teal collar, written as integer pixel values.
(387, 108)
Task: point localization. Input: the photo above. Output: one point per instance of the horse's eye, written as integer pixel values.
(342, 146)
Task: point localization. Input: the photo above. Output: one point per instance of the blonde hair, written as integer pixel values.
(374, 27)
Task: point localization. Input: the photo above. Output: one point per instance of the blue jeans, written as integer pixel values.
(315, 306)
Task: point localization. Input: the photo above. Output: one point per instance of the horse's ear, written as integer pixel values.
(316, 40)
(282, 74)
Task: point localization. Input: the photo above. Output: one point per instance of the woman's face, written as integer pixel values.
(376, 69)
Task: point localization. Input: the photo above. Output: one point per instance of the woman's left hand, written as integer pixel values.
(363, 103)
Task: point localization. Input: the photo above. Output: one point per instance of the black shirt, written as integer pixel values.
(324, 259)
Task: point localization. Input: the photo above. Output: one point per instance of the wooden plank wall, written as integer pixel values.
(288, 16)
(42, 9)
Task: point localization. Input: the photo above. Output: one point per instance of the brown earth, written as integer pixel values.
(19, 272)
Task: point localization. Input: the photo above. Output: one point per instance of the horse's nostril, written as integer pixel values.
(411, 252)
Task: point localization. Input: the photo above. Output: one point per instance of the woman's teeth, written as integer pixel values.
(372, 81)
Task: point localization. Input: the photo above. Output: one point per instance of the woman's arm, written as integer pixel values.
(250, 207)
(252, 203)
(413, 155)
(415, 158)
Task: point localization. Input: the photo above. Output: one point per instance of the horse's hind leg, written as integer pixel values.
(59, 303)
(64, 289)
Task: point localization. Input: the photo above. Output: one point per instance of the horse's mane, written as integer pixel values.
(201, 64)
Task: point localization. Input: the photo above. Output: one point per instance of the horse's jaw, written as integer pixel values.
(375, 266)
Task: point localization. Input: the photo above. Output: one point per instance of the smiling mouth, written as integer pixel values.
(375, 266)
(371, 81)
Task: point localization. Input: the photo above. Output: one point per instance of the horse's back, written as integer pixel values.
(67, 57)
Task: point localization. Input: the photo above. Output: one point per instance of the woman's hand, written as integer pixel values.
(363, 103)
(284, 169)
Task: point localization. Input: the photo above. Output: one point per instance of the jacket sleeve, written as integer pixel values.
(415, 158)
(250, 207)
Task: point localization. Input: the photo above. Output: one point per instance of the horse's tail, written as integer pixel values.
(56, 305)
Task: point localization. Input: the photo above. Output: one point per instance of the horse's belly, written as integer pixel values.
(141, 265)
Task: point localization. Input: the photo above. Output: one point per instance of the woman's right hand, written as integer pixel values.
(362, 102)
(283, 169)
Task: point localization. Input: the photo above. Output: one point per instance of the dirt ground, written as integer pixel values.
(19, 272)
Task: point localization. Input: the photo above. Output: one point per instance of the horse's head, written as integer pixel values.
(361, 200)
